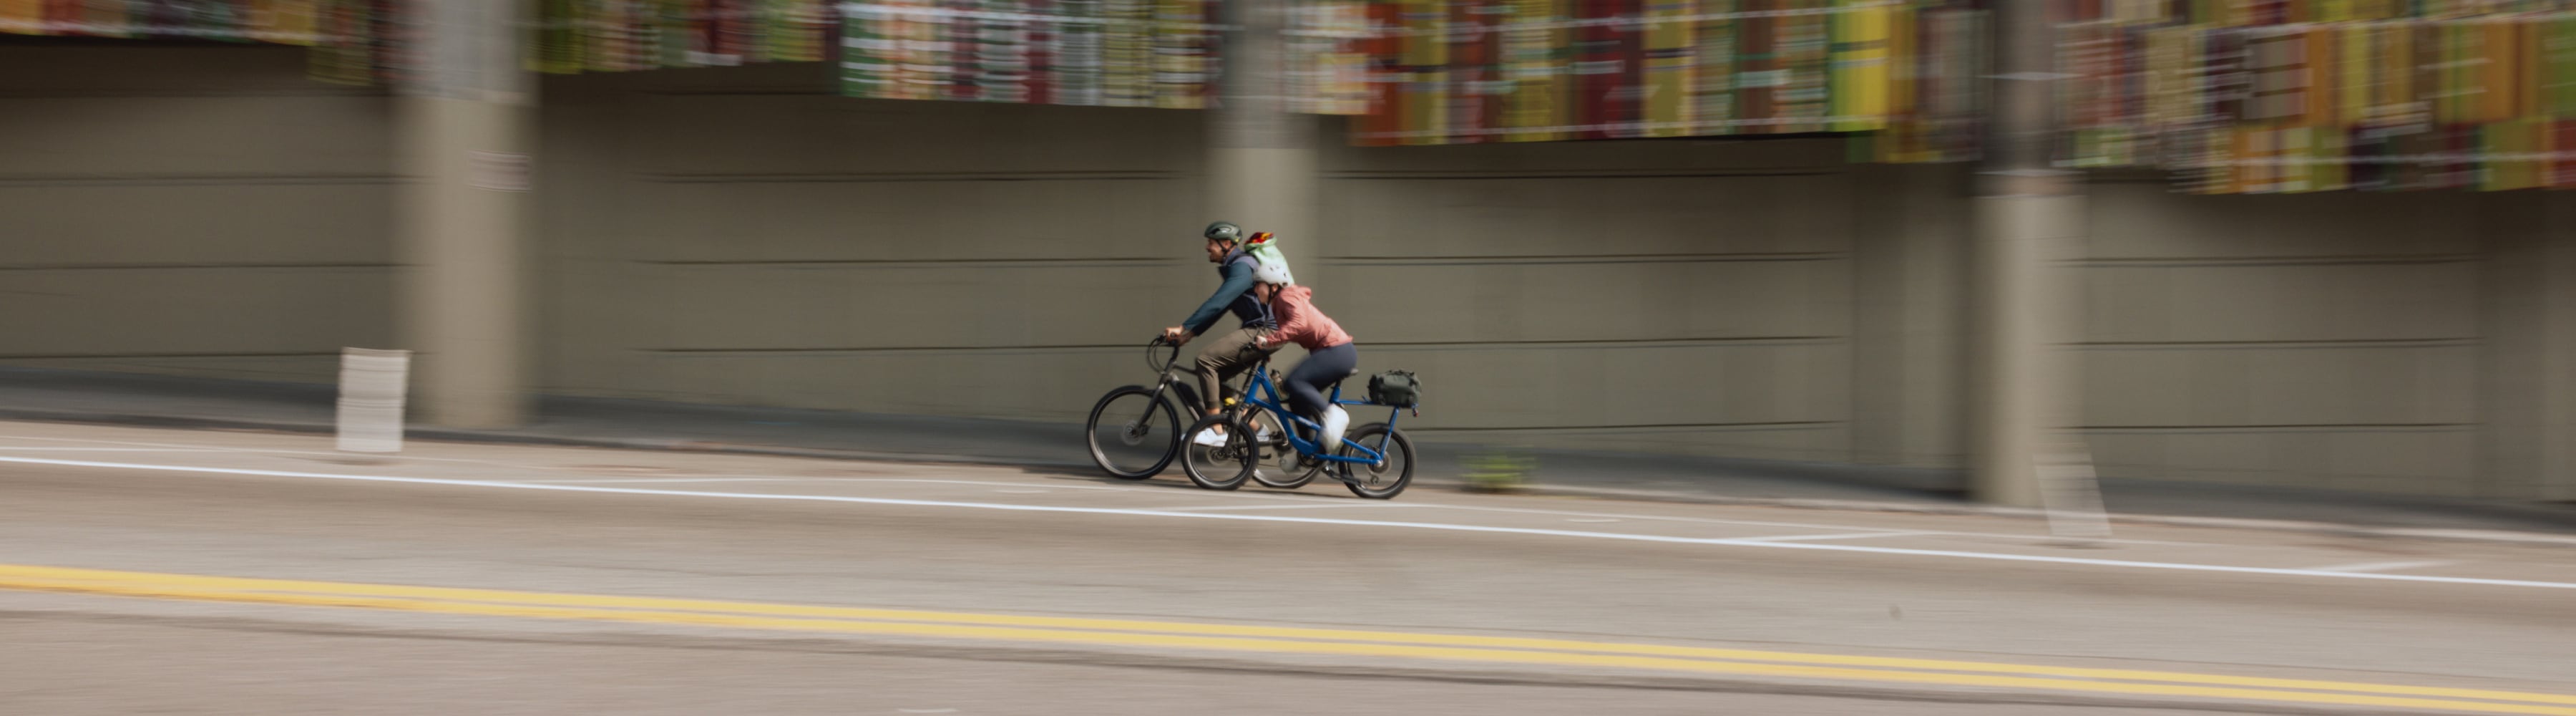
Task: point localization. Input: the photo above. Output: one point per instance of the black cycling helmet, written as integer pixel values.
(1224, 231)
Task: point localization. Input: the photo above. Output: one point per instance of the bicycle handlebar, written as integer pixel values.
(1169, 359)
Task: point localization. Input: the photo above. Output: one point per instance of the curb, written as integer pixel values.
(511, 438)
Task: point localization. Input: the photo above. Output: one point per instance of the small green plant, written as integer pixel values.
(1502, 470)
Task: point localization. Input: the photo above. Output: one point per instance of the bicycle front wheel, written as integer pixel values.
(1389, 476)
(1281, 467)
(1133, 433)
(1223, 467)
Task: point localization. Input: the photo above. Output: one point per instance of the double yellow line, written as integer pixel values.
(1279, 640)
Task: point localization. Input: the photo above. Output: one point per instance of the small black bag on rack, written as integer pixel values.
(1397, 388)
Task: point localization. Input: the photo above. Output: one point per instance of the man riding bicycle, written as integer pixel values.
(1239, 349)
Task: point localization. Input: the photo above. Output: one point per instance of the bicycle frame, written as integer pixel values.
(1261, 393)
(1166, 378)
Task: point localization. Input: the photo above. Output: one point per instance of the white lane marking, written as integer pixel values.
(671, 479)
(1721, 541)
(1472, 508)
(967, 482)
(109, 449)
(1020, 491)
(1623, 516)
(2382, 566)
(187, 447)
(732, 477)
(1847, 535)
(1609, 517)
(256, 451)
(1759, 523)
(1282, 507)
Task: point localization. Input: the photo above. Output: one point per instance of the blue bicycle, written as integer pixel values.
(1375, 460)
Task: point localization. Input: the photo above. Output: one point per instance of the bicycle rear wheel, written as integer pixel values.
(1133, 434)
(1224, 467)
(1387, 478)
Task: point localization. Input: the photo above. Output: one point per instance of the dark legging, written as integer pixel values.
(1321, 369)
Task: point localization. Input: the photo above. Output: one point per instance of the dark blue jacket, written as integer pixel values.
(1233, 295)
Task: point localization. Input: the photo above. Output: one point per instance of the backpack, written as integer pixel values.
(1397, 388)
(1264, 247)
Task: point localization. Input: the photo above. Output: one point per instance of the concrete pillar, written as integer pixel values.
(1261, 156)
(2528, 376)
(464, 127)
(2023, 402)
(2556, 479)
(2030, 215)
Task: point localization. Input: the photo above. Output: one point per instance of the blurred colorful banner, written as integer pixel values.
(346, 35)
(1117, 53)
(627, 35)
(2236, 96)
(1466, 71)
(2274, 96)
(1458, 71)
(294, 22)
(1415, 71)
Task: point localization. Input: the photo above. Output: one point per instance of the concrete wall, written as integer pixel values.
(2316, 340)
(188, 210)
(2407, 343)
(742, 236)
(1697, 297)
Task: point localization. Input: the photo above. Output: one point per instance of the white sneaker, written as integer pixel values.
(1209, 438)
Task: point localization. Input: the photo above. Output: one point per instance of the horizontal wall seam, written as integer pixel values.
(1777, 424)
(817, 91)
(909, 177)
(69, 356)
(1784, 257)
(1431, 345)
(116, 180)
(208, 266)
(194, 93)
(894, 349)
(2286, 427)
(2259, 261)
(1490, 176)
(1048, 262)
(1606, 342)
(2101, 180)
(1407, 261)
(2463, 342)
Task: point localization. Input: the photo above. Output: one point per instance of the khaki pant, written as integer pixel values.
(1226, 357)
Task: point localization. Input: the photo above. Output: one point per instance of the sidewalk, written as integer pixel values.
(129, 399)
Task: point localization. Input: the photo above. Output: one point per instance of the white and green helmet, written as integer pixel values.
(1273, 268)
(1274, 273)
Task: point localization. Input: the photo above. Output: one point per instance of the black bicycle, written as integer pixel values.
(1135, 431)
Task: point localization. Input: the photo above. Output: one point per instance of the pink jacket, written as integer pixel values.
(1300, 323)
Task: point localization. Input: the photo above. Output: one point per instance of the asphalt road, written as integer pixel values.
(146, 571)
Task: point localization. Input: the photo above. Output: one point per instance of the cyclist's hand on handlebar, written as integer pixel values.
(1176, 335)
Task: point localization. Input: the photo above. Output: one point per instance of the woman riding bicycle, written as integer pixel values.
(1330, 353)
